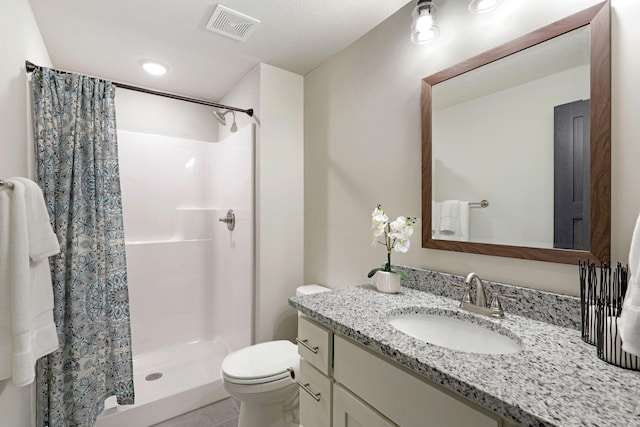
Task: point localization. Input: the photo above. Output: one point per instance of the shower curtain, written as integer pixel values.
(77, 169)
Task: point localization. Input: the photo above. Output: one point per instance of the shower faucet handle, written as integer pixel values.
(230, 219)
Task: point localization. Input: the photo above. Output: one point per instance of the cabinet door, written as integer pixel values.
(315, 344)
(349, 411)
(315, 397)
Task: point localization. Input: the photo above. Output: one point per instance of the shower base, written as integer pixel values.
(168, 383)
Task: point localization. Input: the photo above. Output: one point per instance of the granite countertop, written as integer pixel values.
(556, 380)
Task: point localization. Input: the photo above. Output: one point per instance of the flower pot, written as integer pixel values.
(387, 282)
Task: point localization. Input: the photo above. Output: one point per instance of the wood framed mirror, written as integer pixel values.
(592, 239)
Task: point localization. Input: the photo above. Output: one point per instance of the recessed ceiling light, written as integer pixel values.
(154, 67)
(483, 6)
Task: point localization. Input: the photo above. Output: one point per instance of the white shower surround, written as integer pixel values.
(190, 278)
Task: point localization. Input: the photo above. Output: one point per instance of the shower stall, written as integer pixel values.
(190, 276)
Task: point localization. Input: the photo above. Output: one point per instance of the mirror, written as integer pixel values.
(525, 126)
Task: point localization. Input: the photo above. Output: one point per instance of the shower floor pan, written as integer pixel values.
(168, 383)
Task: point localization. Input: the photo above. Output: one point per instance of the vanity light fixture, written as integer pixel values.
(483, 6)
(154, 67)
(424, 24)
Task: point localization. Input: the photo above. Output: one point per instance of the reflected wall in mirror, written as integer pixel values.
(525, 126)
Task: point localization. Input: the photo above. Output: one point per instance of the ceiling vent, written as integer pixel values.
(231, 23)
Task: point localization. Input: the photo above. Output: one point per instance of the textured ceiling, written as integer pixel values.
(110, 38)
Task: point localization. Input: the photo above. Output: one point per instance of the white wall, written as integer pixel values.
(280, 207)
(21, 40)
(141, 112)
(625, 126)
(276, 96)
(362, 141)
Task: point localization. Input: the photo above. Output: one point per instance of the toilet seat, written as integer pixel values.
(261, 363)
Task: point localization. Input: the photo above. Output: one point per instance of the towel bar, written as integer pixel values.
(6, 184)
(480, 204)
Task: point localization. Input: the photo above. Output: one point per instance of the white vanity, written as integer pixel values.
(344, 384)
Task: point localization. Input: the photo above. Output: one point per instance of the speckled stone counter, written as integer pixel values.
(556, 380)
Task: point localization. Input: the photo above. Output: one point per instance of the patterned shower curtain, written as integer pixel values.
(77, 169)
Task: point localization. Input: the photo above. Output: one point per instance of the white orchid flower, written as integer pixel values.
(379, 221)
(379, 217)
(395, 235)
(379, 228)
(401, 240)
(402, 228)
(399, 224)
(408, 229)
(401, 245)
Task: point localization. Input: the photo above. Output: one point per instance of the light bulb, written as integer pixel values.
(424, 23)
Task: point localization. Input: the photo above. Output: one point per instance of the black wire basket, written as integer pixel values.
(601, 297)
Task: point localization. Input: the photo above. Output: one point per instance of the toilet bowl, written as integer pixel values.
(259, 377)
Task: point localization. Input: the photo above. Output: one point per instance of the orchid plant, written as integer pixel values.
(395, 236)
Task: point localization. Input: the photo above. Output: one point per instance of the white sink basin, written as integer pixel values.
(455, 333)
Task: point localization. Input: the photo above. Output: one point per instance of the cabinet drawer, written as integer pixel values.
(315, 344)
(349, 411)
(315, 397)
(400, 396)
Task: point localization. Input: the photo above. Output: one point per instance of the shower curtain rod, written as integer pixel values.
(31, 67)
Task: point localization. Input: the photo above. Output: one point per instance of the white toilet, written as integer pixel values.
(258, 376)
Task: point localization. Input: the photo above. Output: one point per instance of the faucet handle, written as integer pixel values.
(496, 307)
(466, 297)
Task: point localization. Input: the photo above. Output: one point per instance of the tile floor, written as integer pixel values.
(219, 414)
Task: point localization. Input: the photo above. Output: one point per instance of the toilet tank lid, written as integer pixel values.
(311, 289)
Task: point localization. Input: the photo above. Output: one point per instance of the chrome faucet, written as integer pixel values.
(481, 296)
(480, 305)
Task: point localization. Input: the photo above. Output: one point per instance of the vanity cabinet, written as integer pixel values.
(315, 346)
(344, 384)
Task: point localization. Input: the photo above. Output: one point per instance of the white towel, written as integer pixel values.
(436, 208)
(27, 330)
(6, 256)
(43, 242)
(450, 217)
(629, 321)
(463, 233)
(457, 214)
